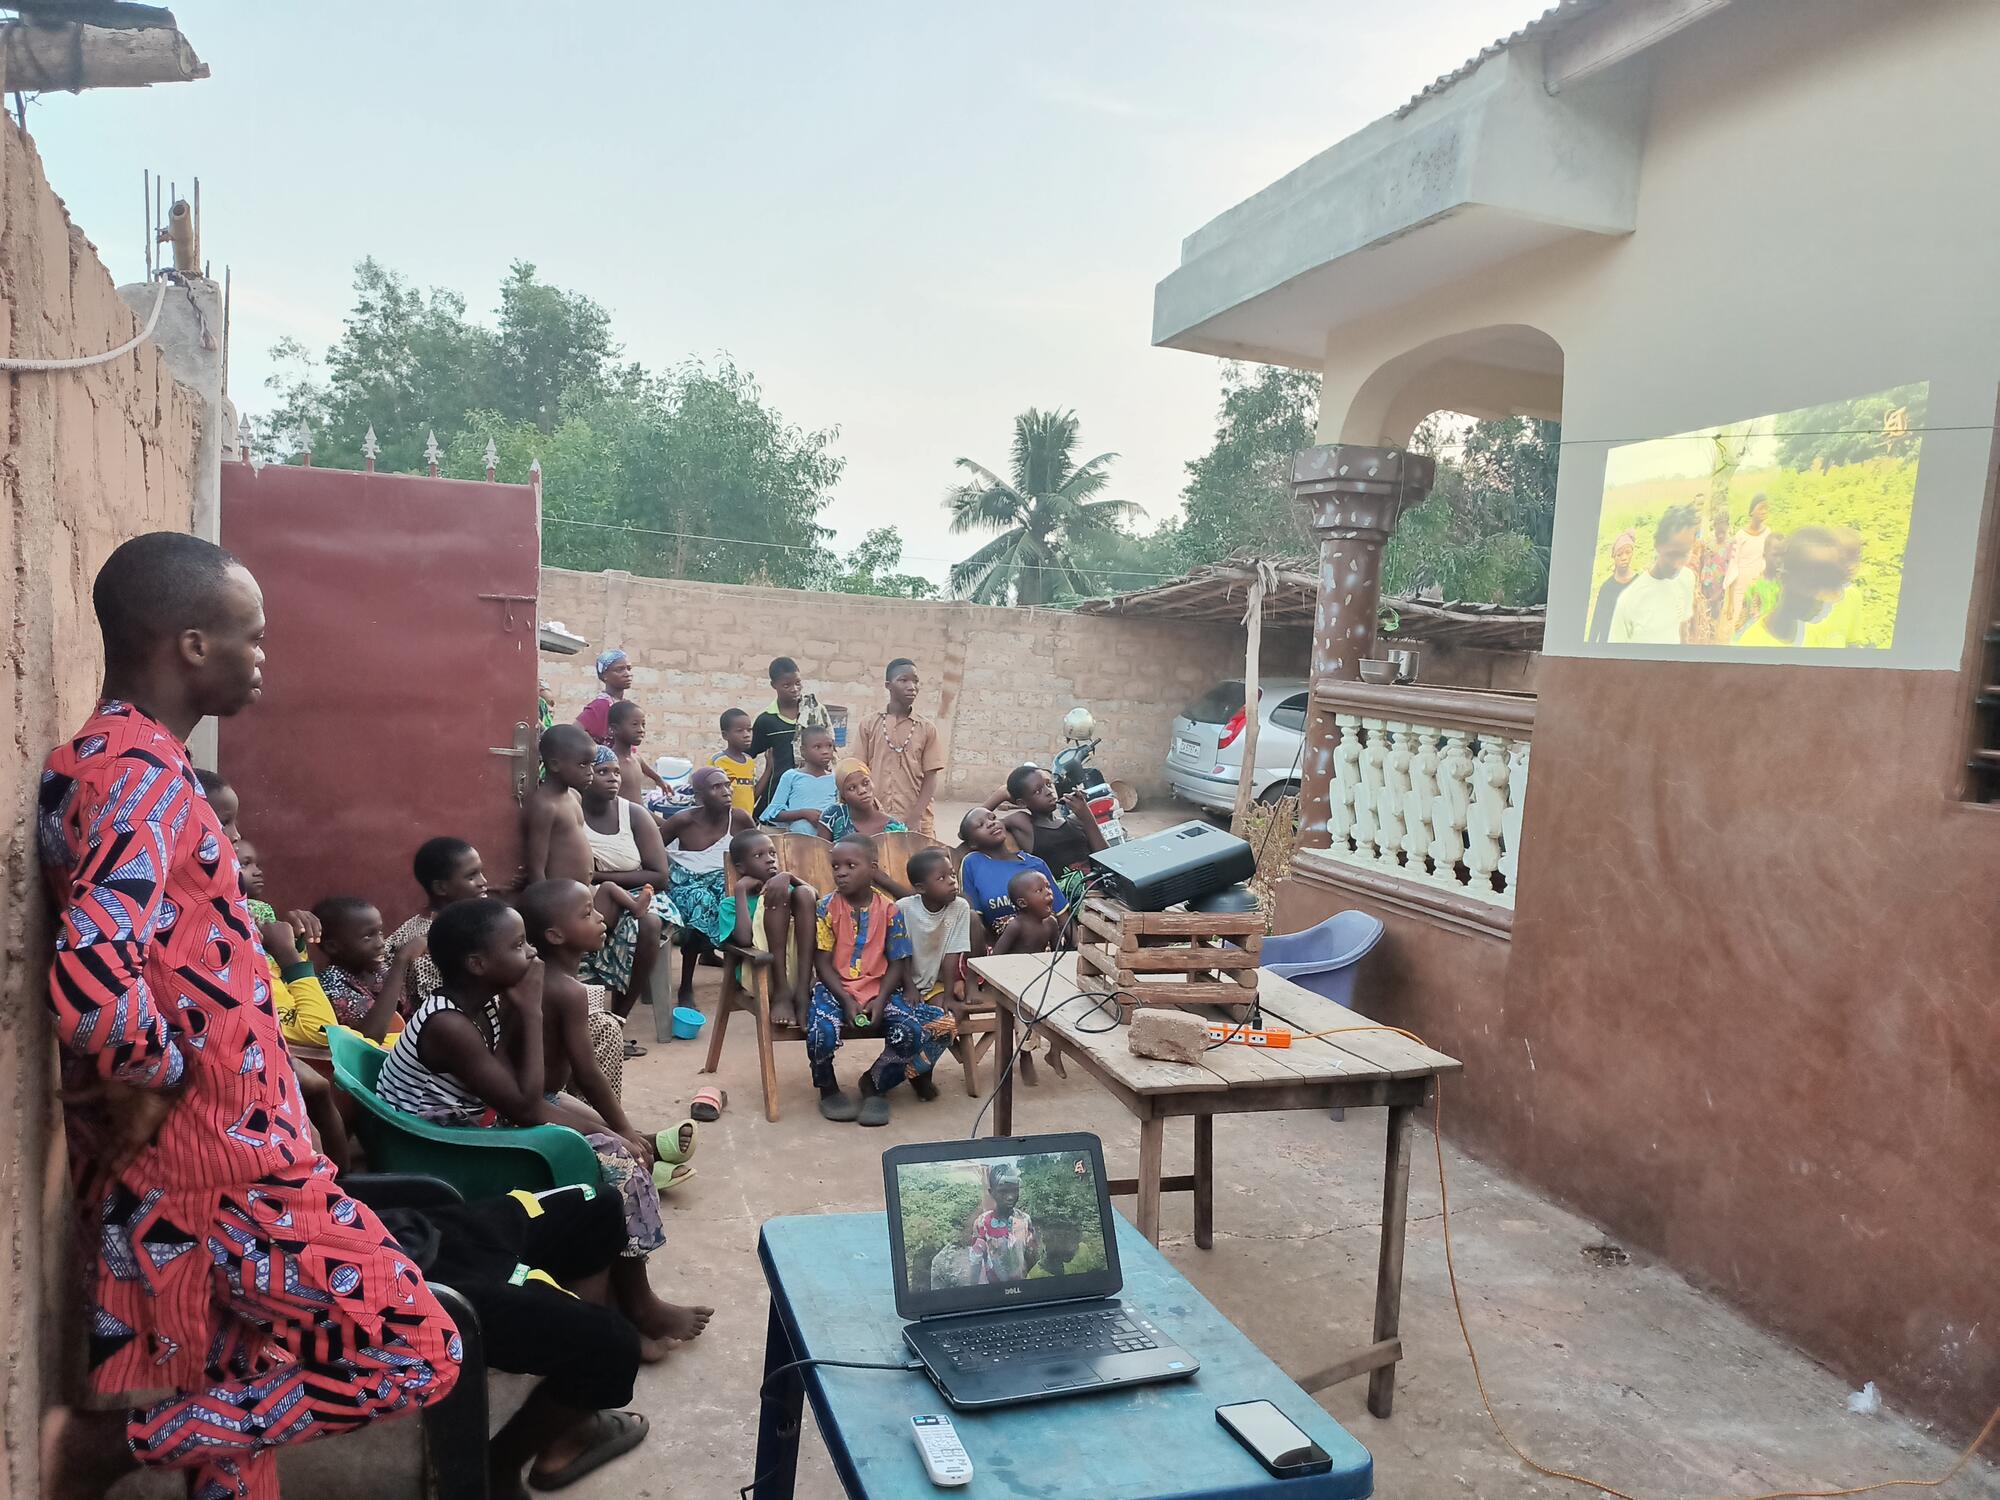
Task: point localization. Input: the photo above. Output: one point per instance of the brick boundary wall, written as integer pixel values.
(997, 680)
(91, 458)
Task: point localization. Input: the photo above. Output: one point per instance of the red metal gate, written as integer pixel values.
(401, 645)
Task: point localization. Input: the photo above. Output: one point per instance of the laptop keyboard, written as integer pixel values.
(1107, 1330)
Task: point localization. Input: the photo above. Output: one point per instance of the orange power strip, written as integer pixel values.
(1249, 1036)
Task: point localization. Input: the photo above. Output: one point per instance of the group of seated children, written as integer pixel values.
(494, 1036)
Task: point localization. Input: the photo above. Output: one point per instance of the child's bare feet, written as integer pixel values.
(783, 1011)
(654, 1351)
(672, 1321)
(83, 1453)
(1027, 1066)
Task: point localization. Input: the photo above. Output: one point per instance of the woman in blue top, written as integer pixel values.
(990, 865)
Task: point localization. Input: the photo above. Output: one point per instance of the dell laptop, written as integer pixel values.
(1006, 1265)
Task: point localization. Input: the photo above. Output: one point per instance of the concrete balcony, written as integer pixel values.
(1493, 168)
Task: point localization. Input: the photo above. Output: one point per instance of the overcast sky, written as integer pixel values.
(910, 221)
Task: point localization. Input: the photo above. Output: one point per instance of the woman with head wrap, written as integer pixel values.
(857, 809)
(614, 670)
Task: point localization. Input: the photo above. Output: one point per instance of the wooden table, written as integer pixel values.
(1367, 1067)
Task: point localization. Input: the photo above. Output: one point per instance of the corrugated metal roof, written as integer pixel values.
(1557, 16)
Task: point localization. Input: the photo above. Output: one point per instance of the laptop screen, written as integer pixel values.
(976, 1225)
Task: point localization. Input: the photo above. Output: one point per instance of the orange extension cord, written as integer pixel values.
(1479, 1375)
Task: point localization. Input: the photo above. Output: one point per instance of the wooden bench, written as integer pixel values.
(811, 860)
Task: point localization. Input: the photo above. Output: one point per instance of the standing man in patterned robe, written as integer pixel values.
(230, 1267)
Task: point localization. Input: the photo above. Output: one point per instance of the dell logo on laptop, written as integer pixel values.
(1012, 1291)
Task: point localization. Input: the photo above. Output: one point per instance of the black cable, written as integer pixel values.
(1029, 1022)
(902, 1366)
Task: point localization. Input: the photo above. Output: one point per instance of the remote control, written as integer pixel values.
(943, 1455)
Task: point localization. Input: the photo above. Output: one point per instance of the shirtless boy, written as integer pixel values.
(628, 733)
(780, 909)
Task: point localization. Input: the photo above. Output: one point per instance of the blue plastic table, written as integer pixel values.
(831, 1297)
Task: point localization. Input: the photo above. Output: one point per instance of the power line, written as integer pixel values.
(739, 541)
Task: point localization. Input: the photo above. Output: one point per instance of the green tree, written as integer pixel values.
(1484, 532)
(683, 475)
(1046, 507)
(1238, 496)
(871, 568)
(409, 362)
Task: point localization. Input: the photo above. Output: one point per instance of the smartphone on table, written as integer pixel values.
(1274, 1439)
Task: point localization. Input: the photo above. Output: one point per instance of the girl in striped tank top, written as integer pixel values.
(473, 1054)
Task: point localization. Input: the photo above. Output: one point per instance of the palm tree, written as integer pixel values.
(1046, 505)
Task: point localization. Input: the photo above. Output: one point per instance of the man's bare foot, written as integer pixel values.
(83, 1453)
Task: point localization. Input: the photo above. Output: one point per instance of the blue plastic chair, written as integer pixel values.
(1323, 958)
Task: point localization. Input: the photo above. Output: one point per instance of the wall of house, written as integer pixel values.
(1748, 1019)
(91, 457)
(998, 680)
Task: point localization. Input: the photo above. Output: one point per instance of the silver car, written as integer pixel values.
(1205, 755)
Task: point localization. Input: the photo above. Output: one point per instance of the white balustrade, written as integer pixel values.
(1426, 799)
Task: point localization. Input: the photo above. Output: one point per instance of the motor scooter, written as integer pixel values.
(1074, 772)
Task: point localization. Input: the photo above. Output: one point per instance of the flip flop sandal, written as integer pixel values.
(667, 1144)
(708, 1104)
(668, 1176)
(633, 1049)
(622, 1432)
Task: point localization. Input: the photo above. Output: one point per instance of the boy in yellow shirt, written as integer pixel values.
(736, 762)
(304, 1012)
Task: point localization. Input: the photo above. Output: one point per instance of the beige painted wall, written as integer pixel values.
(999, 680)
(1812, 225)
(94, 457)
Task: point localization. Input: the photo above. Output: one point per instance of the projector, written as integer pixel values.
(1177, 864)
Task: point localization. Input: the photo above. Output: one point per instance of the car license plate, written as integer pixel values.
(1187, 749)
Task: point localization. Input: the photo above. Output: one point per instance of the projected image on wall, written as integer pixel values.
(1785, 530)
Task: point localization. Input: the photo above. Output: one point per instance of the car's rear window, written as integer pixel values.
(1291, 714)
(1217, 705)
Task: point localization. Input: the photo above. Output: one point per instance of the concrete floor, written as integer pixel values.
(1621, 1371)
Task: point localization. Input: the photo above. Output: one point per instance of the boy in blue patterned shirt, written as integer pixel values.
(863, 964)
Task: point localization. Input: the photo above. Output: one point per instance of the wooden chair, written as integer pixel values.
(811, 860)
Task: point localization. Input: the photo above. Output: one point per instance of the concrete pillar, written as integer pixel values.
(189, 338)
(1354, 496)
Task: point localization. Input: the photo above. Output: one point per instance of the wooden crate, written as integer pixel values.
(1168, 957)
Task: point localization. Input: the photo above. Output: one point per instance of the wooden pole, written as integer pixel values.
(1253, 626)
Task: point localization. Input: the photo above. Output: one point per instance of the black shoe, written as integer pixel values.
(838, 1105)
(924, 1087)
(874, 1106)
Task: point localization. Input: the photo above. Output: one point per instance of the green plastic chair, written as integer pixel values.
(480, 1161)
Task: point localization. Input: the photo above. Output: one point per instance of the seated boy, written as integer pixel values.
(360, 978)
(736, 762)
(475, 1054)
(776, 920)
(1034, 927)
(300, 1004)
(564, 925)
(940, 926)
(447, 870)
(803, 799)
(864, 957)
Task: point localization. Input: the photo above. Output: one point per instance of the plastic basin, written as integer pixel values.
(688, 1022)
